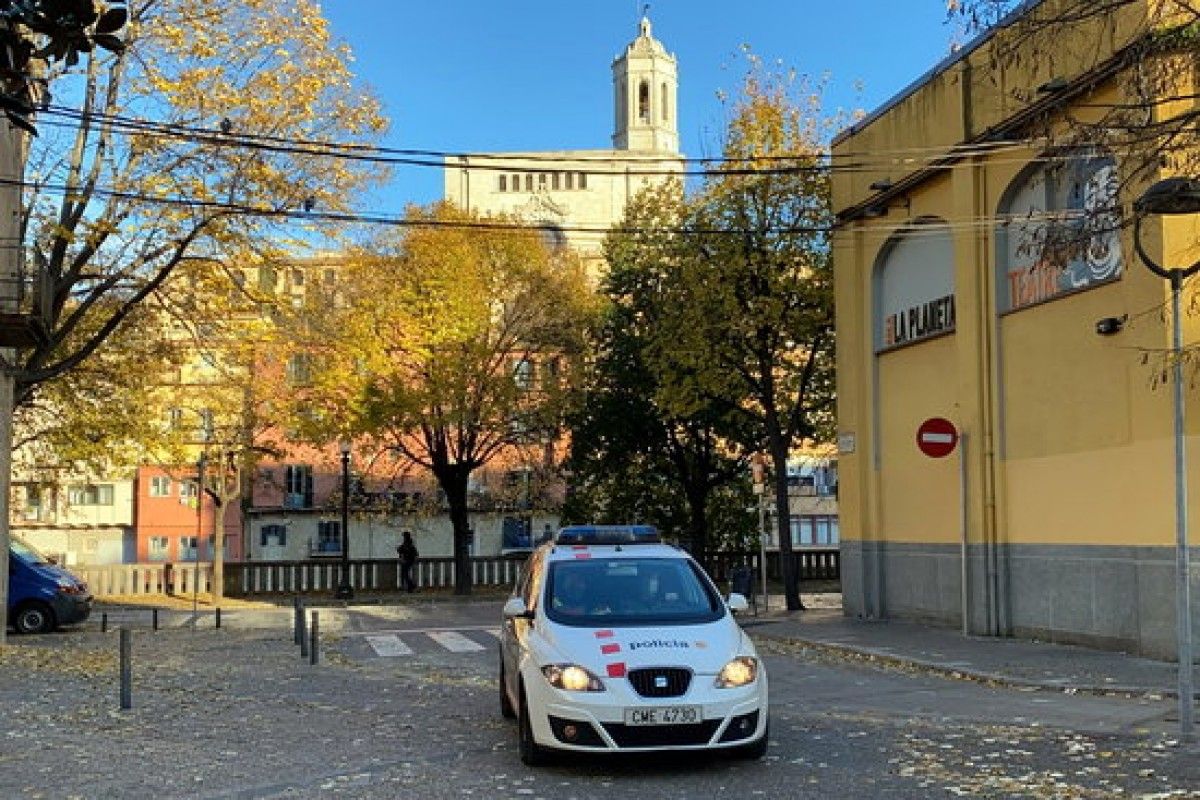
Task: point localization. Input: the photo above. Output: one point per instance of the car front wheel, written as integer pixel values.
(34, 618)
(506, 707)
(532, 754)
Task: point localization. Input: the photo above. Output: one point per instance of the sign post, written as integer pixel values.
(938, 438)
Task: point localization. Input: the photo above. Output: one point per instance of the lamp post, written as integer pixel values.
(1173, 197)
(344, 590)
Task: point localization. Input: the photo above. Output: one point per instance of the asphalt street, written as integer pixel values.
(404, 703)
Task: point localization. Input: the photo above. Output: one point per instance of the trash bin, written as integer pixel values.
(741, 581)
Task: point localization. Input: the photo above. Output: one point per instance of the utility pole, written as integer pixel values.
(13, 145)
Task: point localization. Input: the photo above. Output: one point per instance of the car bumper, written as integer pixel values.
(595, 722)
(71, 609)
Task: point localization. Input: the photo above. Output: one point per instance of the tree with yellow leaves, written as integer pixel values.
(448, 346)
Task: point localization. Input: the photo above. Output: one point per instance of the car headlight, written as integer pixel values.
(739, 672)
(68, 586)
(572, 678)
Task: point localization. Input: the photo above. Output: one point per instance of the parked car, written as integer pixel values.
(41, 594)
(615, 642)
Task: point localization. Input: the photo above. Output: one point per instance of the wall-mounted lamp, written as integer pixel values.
(1110, 325)
(876, 211)
(1055, 84)
(881, 185)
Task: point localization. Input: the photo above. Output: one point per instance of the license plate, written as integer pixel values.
(663, 715)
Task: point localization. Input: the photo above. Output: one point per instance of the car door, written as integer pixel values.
(516, 629)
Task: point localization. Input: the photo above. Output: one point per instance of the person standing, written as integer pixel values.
(408, 559)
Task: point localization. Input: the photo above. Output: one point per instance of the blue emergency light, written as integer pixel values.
(608, 534)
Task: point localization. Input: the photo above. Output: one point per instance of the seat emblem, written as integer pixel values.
(660, 681)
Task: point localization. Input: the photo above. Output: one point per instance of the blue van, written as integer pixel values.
(41, 594)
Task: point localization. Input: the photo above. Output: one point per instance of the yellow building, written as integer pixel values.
(986, 274)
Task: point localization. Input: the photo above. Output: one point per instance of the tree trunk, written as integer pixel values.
(697, 499)
(453, 481)
(218, 553)
(783, 520)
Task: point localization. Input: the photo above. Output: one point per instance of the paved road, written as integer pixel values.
(404, 704)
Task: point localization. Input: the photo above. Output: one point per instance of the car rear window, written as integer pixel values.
(630, 591)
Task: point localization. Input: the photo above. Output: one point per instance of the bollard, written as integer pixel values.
(126, 671)
(154, 614)
(303, 633)
(314, 647)
(218, 618)
(297, 621)
(104, 622)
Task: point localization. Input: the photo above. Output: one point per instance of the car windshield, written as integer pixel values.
(26, 553)
(630, 591)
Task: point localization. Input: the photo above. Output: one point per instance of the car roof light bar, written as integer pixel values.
(608, 534)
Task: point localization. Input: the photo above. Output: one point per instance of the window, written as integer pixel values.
(297, 277)
(630, 591)
(90, 495)
(816, 529)
(160, 486)
(644, 102)
(555, 180)
(330, 277)
(187, 493)
(569, 178)
(504, 183)
(266, 279)
(299, 370)
(174, 418)
(542, 178)
(38, 500)
(529, 181)
(583, 180)
(516, 182)
(187, 548)
(205, 429)
(663, 102)
(523, 373)
(273, 536)
(329, 536)
(298, 486)
(159, 548)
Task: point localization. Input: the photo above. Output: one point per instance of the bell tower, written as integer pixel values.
(645, 83)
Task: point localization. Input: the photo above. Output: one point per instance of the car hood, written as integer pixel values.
(704, 649)
(55, 573)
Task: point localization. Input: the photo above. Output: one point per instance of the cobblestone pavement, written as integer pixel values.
(238, 714)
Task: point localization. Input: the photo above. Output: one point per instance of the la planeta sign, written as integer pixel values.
(919, 321)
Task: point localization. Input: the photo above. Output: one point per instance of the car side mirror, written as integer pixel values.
(515, 607)
(737, 603)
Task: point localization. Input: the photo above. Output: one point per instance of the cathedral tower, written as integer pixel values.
(644, 88)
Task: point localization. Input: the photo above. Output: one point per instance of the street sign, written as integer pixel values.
(937, 437)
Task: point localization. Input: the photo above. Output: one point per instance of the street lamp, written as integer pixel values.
(344, 590)
(1173, 197)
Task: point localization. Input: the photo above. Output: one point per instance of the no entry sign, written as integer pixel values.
(937, 437)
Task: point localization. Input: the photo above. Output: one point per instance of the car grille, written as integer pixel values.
(662, 735)
(660, 681)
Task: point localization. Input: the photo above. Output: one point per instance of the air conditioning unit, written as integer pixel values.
(293, 500)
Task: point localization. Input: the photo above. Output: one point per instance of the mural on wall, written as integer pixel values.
(1062, 232)
(914, 286)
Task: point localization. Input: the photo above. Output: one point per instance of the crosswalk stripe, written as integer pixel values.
(454, 642)
(389, 646)
(494, 632)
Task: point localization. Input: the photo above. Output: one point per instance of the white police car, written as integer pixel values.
(615, 642)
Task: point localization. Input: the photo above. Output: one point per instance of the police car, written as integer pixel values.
(616, 642)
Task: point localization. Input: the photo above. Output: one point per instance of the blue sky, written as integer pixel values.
(483, 75)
